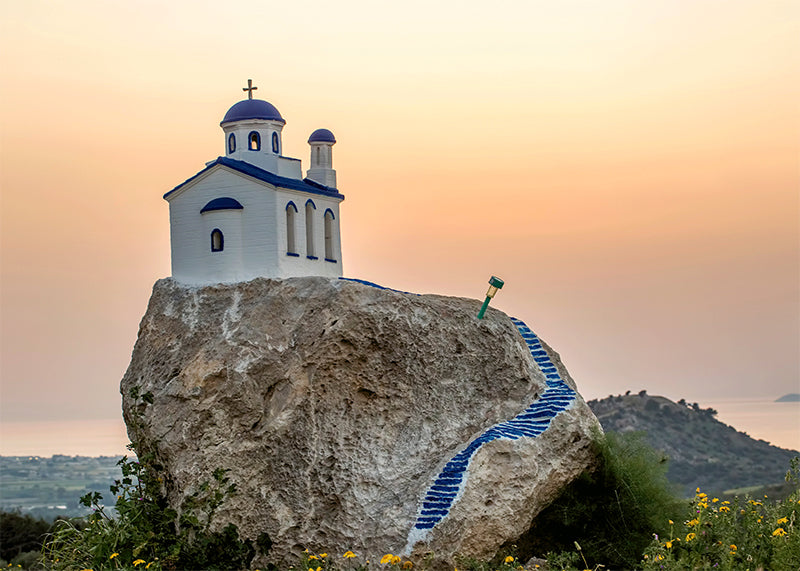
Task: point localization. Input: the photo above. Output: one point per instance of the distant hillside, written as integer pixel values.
(702, 451)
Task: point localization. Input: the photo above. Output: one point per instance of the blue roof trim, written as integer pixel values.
(305, 185)
(223, 203)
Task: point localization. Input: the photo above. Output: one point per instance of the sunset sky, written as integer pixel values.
(629, 168)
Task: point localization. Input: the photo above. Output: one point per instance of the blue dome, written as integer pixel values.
(322, 136)
(252, 109)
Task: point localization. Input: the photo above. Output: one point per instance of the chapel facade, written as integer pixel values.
(251, 213)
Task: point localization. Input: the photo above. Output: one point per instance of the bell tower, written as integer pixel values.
(321, 170)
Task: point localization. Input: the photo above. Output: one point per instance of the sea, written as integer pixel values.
(775, 422)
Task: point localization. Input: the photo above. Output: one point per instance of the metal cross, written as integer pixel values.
(249, 89)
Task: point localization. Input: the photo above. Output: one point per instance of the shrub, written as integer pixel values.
(147, 533)
(738, 534)
(611, 511)
(20, 533)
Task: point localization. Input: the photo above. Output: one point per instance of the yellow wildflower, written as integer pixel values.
(386, 558)
(138, 562)
(509, 559)
(668, 545)
(310, 557)
(703, 505)
(323, 555)
(725, 503)
(148, 565)
(733, 548)
(670, 521)
(690, 536)
(693, 522)
(783, 520)
(715, 500)
(310, 569)
(779, 532)
(396, 560)
(319, 568)
(113, 555)
(724, 509)
(408, 565)
(348, 555)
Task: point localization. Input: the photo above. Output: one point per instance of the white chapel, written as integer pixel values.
(251, 213)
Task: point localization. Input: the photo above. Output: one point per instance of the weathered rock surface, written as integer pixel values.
(338, 407)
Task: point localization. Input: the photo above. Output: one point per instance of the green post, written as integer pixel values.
(483, 307)
(495, 284)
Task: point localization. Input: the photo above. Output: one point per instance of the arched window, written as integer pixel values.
(291, 211)
(231, 143)
(329, 236)
(310, 208)
(275, 146)
(217, 240)
(254, 141)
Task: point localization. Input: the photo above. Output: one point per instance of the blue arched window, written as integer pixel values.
(329, 235)
(254, 141)
(231, 143)
(291, 215)
(275, 146)
(217, 240)
(310, 208)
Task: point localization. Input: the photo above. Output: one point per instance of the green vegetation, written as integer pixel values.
(729, 535)
(21, 535)
(611, 511)
(146, 532)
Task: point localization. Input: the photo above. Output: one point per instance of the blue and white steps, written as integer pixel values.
(533, 421)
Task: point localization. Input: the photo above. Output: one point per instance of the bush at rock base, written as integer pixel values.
(749, 533)
(611, 511)
(147, 533)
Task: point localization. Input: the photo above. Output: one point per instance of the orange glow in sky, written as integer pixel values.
(629, 168)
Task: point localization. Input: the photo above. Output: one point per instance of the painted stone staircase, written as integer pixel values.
(532, 422)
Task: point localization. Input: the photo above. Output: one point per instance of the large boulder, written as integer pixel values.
(353, 417)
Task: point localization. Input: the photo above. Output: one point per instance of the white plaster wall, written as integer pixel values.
(225, 265)
(301, 265)
(255, 242)
(289, 167)
(263, 158)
